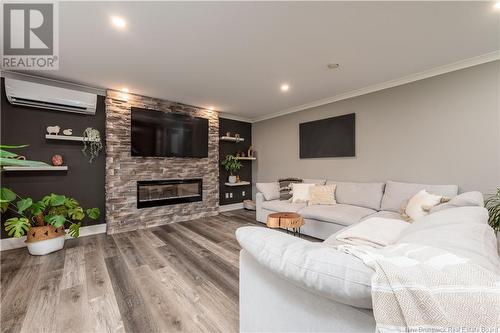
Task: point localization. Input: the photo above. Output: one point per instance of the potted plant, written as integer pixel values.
(232, 165)
(43, 221)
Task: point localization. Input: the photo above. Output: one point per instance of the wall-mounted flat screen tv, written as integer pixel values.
(331, 137)
(168, 134)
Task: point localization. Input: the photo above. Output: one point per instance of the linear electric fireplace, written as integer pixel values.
(151, 193)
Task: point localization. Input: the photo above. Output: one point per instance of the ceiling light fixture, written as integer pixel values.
(333, 66)
(125, 90)
(497, 5)
(211, 108)
(118, 22)
(285, 87)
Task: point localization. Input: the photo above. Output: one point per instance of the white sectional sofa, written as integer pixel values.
(355, 202)
(288, 284)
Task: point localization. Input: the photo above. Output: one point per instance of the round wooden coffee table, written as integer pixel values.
(286, 220)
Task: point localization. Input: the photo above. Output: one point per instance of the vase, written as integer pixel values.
(44, 240)
(232, 179)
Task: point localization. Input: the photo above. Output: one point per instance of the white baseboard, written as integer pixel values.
(227, 208)
(14, 243)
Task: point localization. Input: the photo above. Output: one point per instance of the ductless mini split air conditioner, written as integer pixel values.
(49, 97)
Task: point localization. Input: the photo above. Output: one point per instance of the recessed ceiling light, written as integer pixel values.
(285, 87)
(333, 66)
(497, 5)
(125, 90)
(118, 22)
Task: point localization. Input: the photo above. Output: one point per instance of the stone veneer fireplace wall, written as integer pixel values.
(123, 171)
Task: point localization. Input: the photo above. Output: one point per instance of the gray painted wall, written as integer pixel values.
(441, 130)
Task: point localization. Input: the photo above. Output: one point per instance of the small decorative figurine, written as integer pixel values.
(68, 131)
(57, 160)
(250, 152)
(228, 133)
(53, 130)
(237, 135)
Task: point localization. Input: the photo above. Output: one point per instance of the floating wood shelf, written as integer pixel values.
(66, 137)
(231, 139)
(238, 184)
(36, 168)
(246, 158)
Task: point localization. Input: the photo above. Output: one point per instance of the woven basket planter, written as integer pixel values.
(44, 240)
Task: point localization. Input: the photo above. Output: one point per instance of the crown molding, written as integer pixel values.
(470, 62)
(234, 117)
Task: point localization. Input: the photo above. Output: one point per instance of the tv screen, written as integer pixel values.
(167, 134)
(331, 137)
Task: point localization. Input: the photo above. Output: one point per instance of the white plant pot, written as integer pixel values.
(41, 248)
(232, 179)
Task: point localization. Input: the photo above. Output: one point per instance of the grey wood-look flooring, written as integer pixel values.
(178, 277)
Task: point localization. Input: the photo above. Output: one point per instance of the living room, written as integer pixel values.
(250, 166)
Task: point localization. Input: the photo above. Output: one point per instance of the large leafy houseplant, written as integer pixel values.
(492, 203)
(55, 210)
(8, 158)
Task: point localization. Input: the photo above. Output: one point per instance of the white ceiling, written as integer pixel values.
(235, 55)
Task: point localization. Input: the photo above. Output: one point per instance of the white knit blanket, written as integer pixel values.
(418, 288)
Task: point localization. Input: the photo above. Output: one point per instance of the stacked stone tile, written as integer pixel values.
(123, 171)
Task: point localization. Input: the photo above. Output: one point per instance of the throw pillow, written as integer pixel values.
(314, 181)
(322, 195)
(420, 204)
(301, 192)
(271, 191)
(286, 187)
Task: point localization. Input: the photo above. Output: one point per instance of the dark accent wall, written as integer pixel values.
(84, 181)
(226, 148)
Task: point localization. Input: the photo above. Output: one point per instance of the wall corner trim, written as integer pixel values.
(455, 66)
(15, 243)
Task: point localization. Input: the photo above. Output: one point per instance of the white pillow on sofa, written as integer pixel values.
(418, 206)
(301, 192)
(271, 191)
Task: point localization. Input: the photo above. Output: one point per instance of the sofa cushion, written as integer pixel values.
(387, 214)
(283, 206)
(314, 266)
(339, 213)
(463, 231)
(366, 195)
(473, 198)
(271, 191)
(397, 194)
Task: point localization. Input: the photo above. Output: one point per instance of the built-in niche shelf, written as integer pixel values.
(246, 158)
(66, 137)
(237, 184)
(231, 139)
(36, 168)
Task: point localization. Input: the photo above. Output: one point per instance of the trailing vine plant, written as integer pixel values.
(92, 142)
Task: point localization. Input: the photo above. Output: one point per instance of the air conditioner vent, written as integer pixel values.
(49, 97)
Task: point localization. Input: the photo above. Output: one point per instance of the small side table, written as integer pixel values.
(286, 220)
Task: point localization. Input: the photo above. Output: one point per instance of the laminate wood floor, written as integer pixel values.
(177, 277)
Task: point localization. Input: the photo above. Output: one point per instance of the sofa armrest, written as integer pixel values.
(314, 266)
(259, 198)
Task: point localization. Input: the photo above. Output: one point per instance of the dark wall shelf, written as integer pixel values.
(231, 147)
